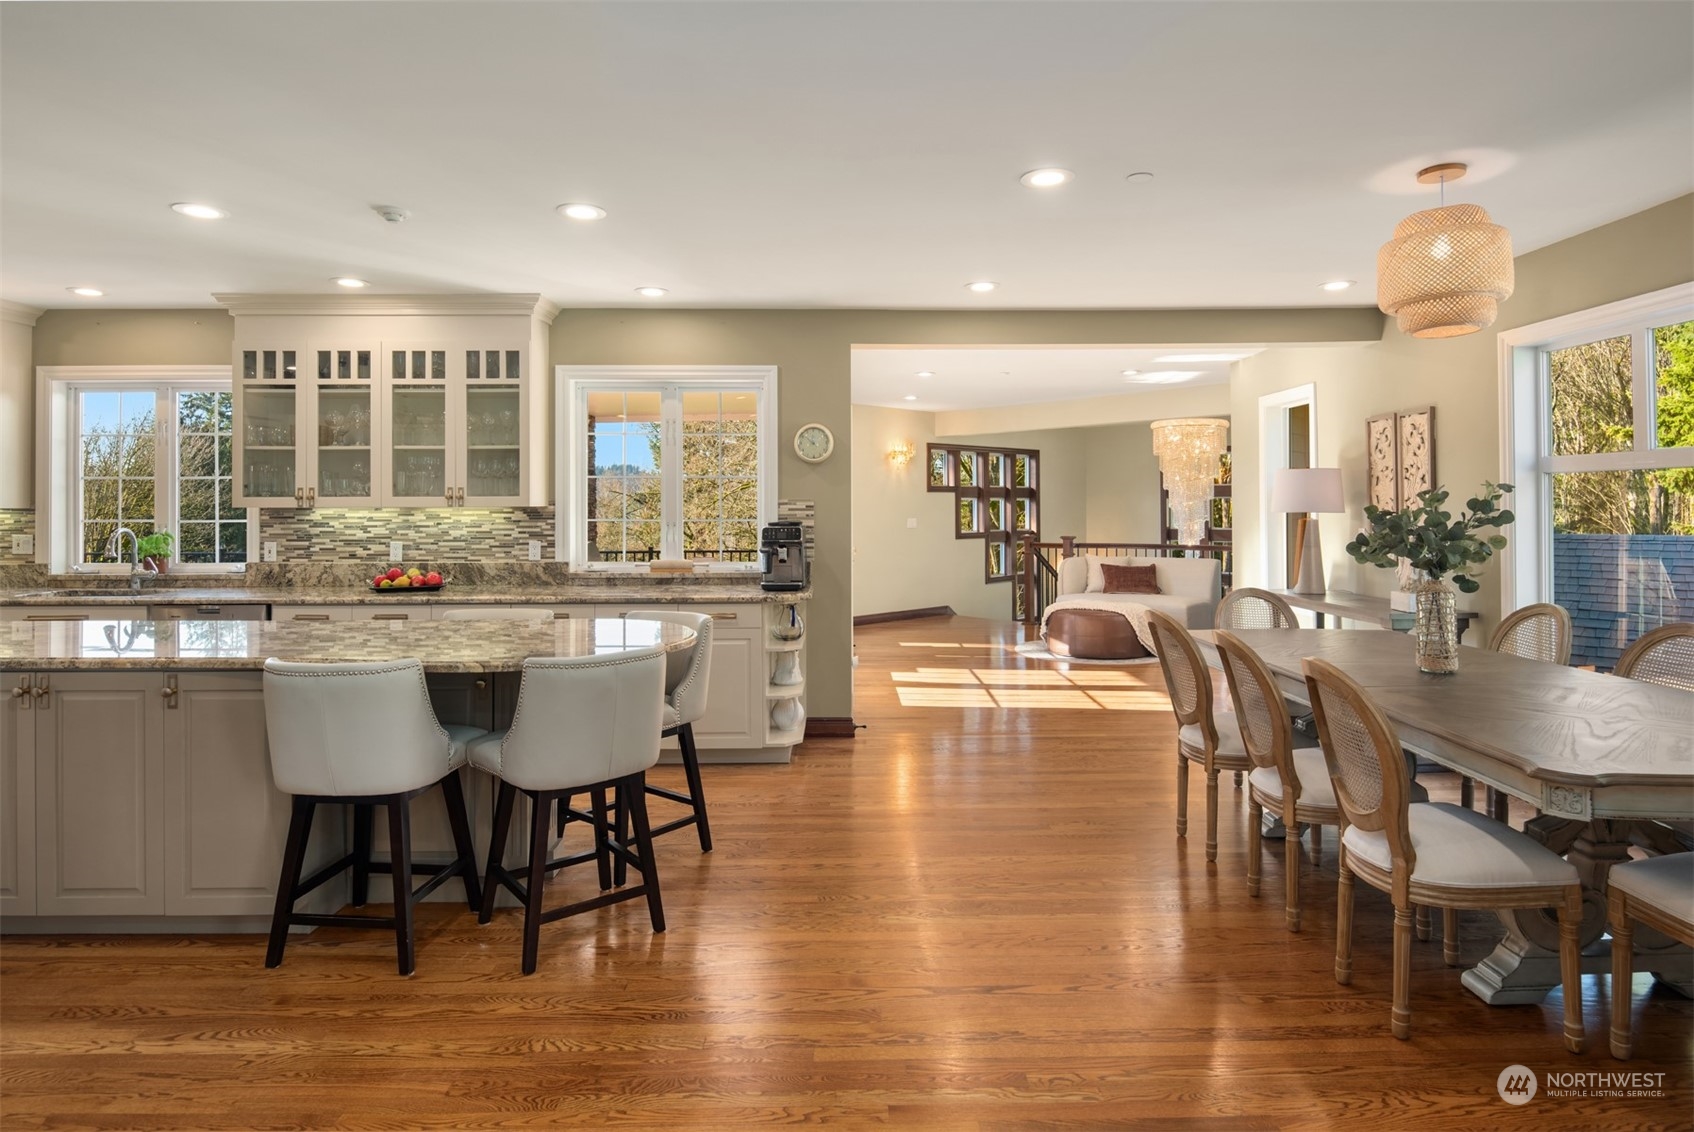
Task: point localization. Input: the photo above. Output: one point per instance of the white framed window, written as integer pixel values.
(146, 448)
(665, 462)
(1597, 436)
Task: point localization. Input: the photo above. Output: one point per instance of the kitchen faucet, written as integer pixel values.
(115, 547)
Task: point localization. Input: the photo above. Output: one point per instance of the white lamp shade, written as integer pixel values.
(1307, 489)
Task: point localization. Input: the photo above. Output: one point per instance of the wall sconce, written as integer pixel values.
(901, 454)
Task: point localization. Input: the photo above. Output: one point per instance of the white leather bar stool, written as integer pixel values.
(364, 735)
(582, 723)
(494, 613)
(685, 702)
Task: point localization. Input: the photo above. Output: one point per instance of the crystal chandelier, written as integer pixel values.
(1188, 449)
(1447, 269)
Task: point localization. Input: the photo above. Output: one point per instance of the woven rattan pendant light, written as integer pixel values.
(1447, 269)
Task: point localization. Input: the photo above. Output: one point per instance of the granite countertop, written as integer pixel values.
(662, 591)
(224, 646)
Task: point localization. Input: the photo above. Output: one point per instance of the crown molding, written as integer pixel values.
(528, 305)
(19, 313)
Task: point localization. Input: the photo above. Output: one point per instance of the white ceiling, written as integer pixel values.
(819, 154)
(989, 378)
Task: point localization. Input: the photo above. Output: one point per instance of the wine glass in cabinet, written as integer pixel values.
(419, 466)
(343, 426)
(268, 407)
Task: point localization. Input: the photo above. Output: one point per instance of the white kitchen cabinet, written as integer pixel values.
(53, 613)
(735, 715)
(99, 789)
(206, 613)
(17, 794)
(271, 416)
(312, 612)
(341, 426)
(396, 609)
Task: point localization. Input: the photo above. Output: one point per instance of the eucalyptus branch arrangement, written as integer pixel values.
(1428, 537)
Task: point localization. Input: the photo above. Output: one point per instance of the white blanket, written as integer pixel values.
(1134, 613)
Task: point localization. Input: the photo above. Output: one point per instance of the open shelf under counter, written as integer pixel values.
(786, 646)
(785, 691)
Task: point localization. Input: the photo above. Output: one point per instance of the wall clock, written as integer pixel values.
(813, 443)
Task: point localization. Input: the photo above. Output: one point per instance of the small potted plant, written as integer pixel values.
(155, 550)
(1426, 537)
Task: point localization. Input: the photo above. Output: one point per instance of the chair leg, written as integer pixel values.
(1400, 1017)
(453, 795)
(602, 833)
(1570, 966)
(1450, 936)
(1423, 925)
(1291, 859)
(1181, 794)
(691, 768)
(1317, 843)
(1623, 975)
(1467, 792)
(1255, 848)
(497, 849)
(293, 858)
(400, 856)
(1344, 923)
(539, 804)
(620, 829)
(636, 789)
(1212, 814)
(1239, 777)
(363, 814)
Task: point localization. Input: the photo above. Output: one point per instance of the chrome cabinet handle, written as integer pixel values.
(299, 497)
(461, 499)
(311, 497)
(724, 616)
(40, 691)
(168, 692)
(311, 617)
(22, 694)
(391, 617)
(449, 497)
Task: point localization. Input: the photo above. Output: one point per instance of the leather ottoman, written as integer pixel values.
(1093, 634)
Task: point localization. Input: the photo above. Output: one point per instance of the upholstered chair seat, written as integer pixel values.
(1460, 848)
(1309, 768)
(1657, 892)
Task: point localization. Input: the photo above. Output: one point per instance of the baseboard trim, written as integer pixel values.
(830, 727)
(903, 615)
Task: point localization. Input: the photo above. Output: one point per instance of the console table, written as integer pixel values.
(1344, 605)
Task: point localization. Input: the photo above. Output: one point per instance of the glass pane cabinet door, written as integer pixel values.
(417, 429)
(493, 468)
(344, 380)
(268, 389)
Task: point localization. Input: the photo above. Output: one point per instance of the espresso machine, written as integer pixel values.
(782, 553)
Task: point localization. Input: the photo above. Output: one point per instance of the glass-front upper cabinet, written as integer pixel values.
(268, 407)
(343, 427)
(493, 471)
(420, 464)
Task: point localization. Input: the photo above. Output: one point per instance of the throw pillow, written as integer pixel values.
(1131, 579)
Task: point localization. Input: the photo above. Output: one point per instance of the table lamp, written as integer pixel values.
(1307, 491)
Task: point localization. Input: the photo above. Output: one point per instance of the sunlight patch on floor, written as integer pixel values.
(945, 697)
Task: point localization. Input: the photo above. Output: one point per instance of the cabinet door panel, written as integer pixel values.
(100, 791)
(734, 691)
(226, 823)
(17, 797)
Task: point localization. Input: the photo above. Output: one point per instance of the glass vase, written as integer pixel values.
(1437, 628)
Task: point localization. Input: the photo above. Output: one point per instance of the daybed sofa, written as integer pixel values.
(1092, 623)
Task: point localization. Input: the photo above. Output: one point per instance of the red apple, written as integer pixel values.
(432, 579)
(379, 579)
(395, 573)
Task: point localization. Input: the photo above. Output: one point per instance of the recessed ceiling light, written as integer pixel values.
(1046, 178)
(199, 211)
(981, 286)
(1235, 357)
(651, 292)
(86, 292)
(911, 396)
(1139, 178)
(582, 211)
(926, 373)
(1165, 376)
(1337, 284)
(349, 281)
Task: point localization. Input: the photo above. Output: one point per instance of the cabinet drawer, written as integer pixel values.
(210, 612)
(311, 612)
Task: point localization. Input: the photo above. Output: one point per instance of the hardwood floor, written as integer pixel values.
(976, 915)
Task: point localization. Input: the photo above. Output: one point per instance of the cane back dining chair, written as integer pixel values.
(1659, 892)
(1427, 853)
(1250, 608)
(1214, 742)
(1661, 656)
(1292, 782)
(1536, 632)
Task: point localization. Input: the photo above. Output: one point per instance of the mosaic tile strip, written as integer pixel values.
(435, 534)
(19, 522)
(804, 512)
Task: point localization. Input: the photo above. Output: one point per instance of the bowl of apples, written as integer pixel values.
(396, 580)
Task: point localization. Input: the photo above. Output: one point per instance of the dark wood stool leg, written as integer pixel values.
(400, 857)
(691, 767)
(602, 833)
(363, 815)
(539, 805)
(497, 849)
(293, 858)
(635, 790)
(620, 806)
(453, 794)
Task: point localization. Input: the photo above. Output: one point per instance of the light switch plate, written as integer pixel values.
(267, 553)
(396, 552)
(535, 550)
(23, 544)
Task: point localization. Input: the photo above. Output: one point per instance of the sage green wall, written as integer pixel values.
(1459, 376)
(134, 338)
(1121, 492)
(897, 567)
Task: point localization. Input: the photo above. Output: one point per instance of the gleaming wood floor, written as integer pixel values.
(976, 915)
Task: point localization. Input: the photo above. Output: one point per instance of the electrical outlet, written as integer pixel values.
(267, 553)
(535, 550)
(23, 544)
(396, 552)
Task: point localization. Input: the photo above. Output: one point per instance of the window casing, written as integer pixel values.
(665, 462)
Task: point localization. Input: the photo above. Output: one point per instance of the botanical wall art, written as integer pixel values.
(1417, 453)
(1382, 452)
(1400, 456)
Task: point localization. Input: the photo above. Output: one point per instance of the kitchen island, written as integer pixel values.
(135, 785)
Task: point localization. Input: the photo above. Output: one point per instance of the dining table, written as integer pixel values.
(1607, 762)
